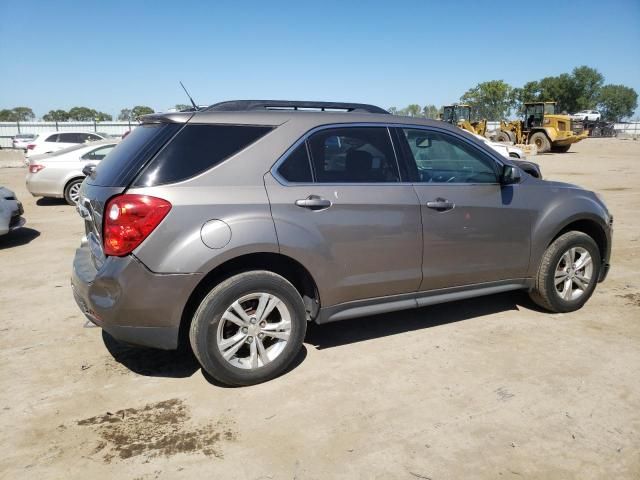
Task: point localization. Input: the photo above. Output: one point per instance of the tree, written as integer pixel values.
(586, 85)
(181, 106)
(7, 115)
(24, 114)
(56, 116)
(492, 100)
(125, 114)
(102, 117)
(413, 110)
(139, 110)
(616, 102)
(82, 114)
(17, 114)
(393, 110)
(430, 111)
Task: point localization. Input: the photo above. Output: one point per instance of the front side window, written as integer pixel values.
(353, 155)
(441, 158)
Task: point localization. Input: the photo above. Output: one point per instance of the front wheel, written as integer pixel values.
(249, 328)
(568, 273)
(541, 141)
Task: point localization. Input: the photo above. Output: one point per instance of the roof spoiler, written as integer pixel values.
(253, 105)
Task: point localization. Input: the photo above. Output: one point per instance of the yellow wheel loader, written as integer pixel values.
(541, 126)
(460, 115)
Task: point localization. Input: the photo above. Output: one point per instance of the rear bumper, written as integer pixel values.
(129, 301)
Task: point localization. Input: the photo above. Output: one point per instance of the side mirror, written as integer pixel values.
(89, 169)
(510, 175)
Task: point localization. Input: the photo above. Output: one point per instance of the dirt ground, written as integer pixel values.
(485, 388)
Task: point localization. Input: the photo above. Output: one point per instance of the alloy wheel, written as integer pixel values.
(573, 273)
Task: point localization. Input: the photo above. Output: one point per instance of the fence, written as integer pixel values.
(9, 129)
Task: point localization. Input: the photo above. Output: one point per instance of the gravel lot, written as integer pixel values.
(484, 388)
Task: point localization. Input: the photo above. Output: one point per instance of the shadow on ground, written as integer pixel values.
(20, 236)
(366, 328)
(51, 202)
(152, 362)
(182, 363)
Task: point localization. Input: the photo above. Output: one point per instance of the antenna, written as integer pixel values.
(195, 107)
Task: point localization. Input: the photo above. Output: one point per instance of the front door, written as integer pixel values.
(473, 232)
(341, 210)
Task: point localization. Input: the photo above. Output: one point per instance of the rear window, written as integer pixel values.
(196, 149)
(125, 161)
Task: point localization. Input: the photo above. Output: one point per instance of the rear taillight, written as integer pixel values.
(31, 146)
(129, 219)
(35, 168)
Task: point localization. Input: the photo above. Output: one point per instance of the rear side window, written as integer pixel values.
(70, 138)
(296, 167)
(126, 160)
(197, 148)
(52, 138)
(353, 155)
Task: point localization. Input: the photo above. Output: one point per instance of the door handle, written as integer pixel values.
(314, 202)
(441, 205)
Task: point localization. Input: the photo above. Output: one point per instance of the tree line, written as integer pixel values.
(78, 114)
(582, 89)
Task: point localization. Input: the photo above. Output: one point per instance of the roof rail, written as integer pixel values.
(252, 105)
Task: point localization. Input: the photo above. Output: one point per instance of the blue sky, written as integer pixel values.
(122, 53)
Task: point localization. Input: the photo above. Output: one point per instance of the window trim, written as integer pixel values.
(99, 147)
(403, 170)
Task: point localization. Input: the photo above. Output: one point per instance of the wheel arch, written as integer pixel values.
(278, 263)
(588, 226)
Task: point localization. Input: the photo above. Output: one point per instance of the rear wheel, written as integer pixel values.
(541, 141)
(568, 273)
(249, 328)
(561, 148)
(72, 191)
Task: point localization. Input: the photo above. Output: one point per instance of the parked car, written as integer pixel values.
(294, 216)
(59, 174)
(48, 142)
(503, 149)
(10, 211)
(586, 115)
(21, 140)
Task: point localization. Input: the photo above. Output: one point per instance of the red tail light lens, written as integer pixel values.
(35, 168)
(31, 146)
(129, 219)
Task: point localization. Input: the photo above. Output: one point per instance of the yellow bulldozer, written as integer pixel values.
(541, 126)
(460, 115)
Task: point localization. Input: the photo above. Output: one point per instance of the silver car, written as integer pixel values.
(232, 227)
(10, 211)
(59, 174)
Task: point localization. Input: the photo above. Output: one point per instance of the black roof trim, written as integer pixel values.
(253, 105)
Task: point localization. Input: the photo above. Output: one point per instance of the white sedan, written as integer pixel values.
(47, 142)
(503, 149)
(587, 115)
(59, 174)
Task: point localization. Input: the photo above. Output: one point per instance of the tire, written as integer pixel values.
(540, 140)
(513, 155)
(71, 191)
(548, 281)
(502, 137)
(254, 353)
(561, 149)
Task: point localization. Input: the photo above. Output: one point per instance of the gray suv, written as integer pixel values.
(230, 228)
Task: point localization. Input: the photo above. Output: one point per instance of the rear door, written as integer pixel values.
(473, 232)
(341, 209)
